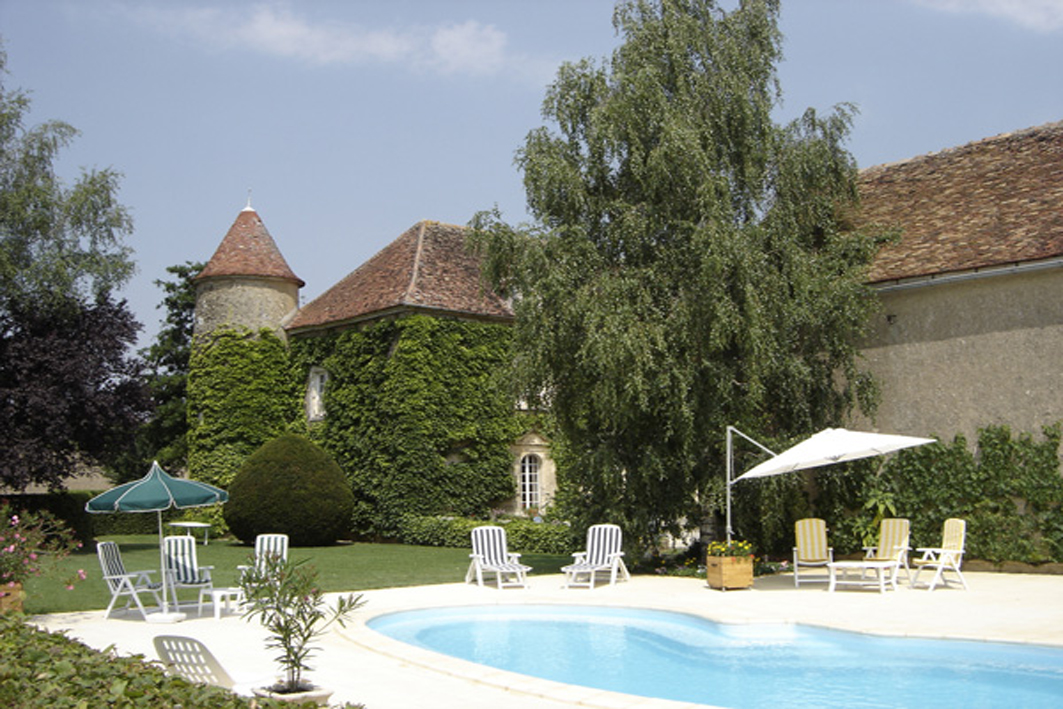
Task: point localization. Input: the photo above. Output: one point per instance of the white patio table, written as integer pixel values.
(884, 571)
(189, 526)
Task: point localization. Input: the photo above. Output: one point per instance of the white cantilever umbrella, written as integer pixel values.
(829, 446)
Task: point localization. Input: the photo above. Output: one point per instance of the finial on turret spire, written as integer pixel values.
(249, 208)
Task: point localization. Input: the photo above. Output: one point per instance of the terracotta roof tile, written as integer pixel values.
(248, 250)
(993, 202)
(427, 267)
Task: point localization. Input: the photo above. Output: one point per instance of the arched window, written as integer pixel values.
(529, 482)
(315, 394)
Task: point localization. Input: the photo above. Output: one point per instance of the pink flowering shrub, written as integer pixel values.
(31, 542)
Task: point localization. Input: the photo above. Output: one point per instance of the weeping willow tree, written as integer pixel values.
(687, 267)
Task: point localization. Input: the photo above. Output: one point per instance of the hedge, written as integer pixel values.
(522, 535)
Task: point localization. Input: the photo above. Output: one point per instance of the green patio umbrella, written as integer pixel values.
(155, 492)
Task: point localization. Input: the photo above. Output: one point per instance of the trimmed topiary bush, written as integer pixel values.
(290, 486)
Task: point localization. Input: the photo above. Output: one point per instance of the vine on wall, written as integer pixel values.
(418, 416)
(242, 392)
(1009, 490)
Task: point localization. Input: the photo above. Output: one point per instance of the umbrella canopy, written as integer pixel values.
(829, 446)
(155, 492)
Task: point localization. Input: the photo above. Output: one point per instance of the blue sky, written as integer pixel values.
(352, 120)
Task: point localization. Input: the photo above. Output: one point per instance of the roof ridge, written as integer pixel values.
(1022, 132)
(417, 256)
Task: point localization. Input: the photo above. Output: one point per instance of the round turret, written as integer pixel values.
(247, 283)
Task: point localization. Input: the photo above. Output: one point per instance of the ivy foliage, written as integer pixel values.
(43, 670)
(1009, 491)
(241, 393)
(418, 415)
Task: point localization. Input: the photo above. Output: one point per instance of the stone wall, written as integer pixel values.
(953, 357)
(236, 301)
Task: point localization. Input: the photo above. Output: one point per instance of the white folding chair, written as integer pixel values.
(811, 549)
(189, 658)
(123, 583)
(490, 555)
(604, 553)
(947, 557)
(182, 569)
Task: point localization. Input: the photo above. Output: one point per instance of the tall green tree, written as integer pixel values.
(57, 242)
(69, 391)
(164, 436)
(687, 268)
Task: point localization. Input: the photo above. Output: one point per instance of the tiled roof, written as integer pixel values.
(426, 268)
(993, 202)
(249, 250)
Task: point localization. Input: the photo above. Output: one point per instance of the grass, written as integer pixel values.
(345, 567)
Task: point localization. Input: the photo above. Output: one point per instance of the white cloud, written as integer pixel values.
(469, 47)
(1038, 15)
(276, 29)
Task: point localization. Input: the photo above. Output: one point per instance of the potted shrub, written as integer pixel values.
(29, 542)
(729, 564)
(285, 596)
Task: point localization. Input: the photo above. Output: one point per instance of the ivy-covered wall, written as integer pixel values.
(417, 415)
(242, 392)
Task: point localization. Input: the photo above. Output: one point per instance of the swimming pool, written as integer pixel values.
(683, 657)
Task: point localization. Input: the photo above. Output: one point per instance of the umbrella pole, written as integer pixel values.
(730, 476)
(731, 465)
(162, 567)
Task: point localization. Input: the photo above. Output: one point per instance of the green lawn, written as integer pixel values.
(346, 567)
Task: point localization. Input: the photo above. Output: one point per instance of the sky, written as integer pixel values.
(351, 120)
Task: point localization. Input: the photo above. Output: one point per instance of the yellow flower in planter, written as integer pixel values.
(735, 547)
(729, 564)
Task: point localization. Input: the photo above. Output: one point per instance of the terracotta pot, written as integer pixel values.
(318, 695)
(11, 601)
(729, 571)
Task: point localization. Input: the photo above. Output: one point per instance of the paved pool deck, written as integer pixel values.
(364, 666)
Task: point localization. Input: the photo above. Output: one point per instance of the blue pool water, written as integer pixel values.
(683, 657)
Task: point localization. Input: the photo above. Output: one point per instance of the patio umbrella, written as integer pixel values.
(155, 492)
(829, 446)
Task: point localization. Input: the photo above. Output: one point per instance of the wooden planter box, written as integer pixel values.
(729, 571)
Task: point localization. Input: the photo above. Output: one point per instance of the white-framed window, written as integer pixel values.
(530, 497)
(315, 394)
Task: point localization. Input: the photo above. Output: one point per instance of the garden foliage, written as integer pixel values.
(688, 267)
(1009, 490)
(69, 393)
(290, 486)
(522, 535)
(42, 670)
(418, 415)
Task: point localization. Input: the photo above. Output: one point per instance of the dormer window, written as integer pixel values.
(315, 394)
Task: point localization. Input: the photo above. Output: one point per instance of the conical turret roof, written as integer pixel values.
(249, 250)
